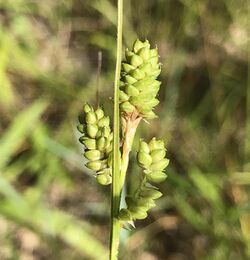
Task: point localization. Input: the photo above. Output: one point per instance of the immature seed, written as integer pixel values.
(151, 193)
(101, 143)
(127, 107)
(90, 143)
(158, 155)
(91, 118)
(125, 215)
(144, 159)
(156, 176)
(93, 155)
(144, 147)
(92, 130)
(99, 113)
(104, 179)
(138, 213)
(105, 121)
(87, 108)
(160, 165)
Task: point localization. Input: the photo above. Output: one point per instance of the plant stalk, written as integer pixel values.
(116, 189)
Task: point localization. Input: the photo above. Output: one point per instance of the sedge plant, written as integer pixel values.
(135, 97)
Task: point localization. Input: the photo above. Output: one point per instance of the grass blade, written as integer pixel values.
(19, 130)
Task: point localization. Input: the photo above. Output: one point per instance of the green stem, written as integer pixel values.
(115, 198)
(247, 137)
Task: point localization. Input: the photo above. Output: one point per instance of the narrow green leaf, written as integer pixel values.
(20, 128)
(49, 222)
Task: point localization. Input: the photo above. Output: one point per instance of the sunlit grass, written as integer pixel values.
(48, 61)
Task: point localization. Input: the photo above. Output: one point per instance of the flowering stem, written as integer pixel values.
(116, 189)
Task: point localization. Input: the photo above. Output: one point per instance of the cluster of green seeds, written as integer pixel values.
(97, 139)
(151, 157)
(138, 85)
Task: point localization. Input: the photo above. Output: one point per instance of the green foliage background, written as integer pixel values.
(50, 205)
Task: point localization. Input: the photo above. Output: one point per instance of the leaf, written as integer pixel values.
(207, 188)
(49, 222)
(189, 213)
(20, 128)
(7, 93)
(241, 178)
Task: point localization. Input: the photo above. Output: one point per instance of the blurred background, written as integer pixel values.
(50, 205)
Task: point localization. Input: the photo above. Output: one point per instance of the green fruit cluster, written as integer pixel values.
(97, 139)
(151, 157)
(138, 85)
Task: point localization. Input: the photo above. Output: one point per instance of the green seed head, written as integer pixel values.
(97, 138)
(139, 73)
